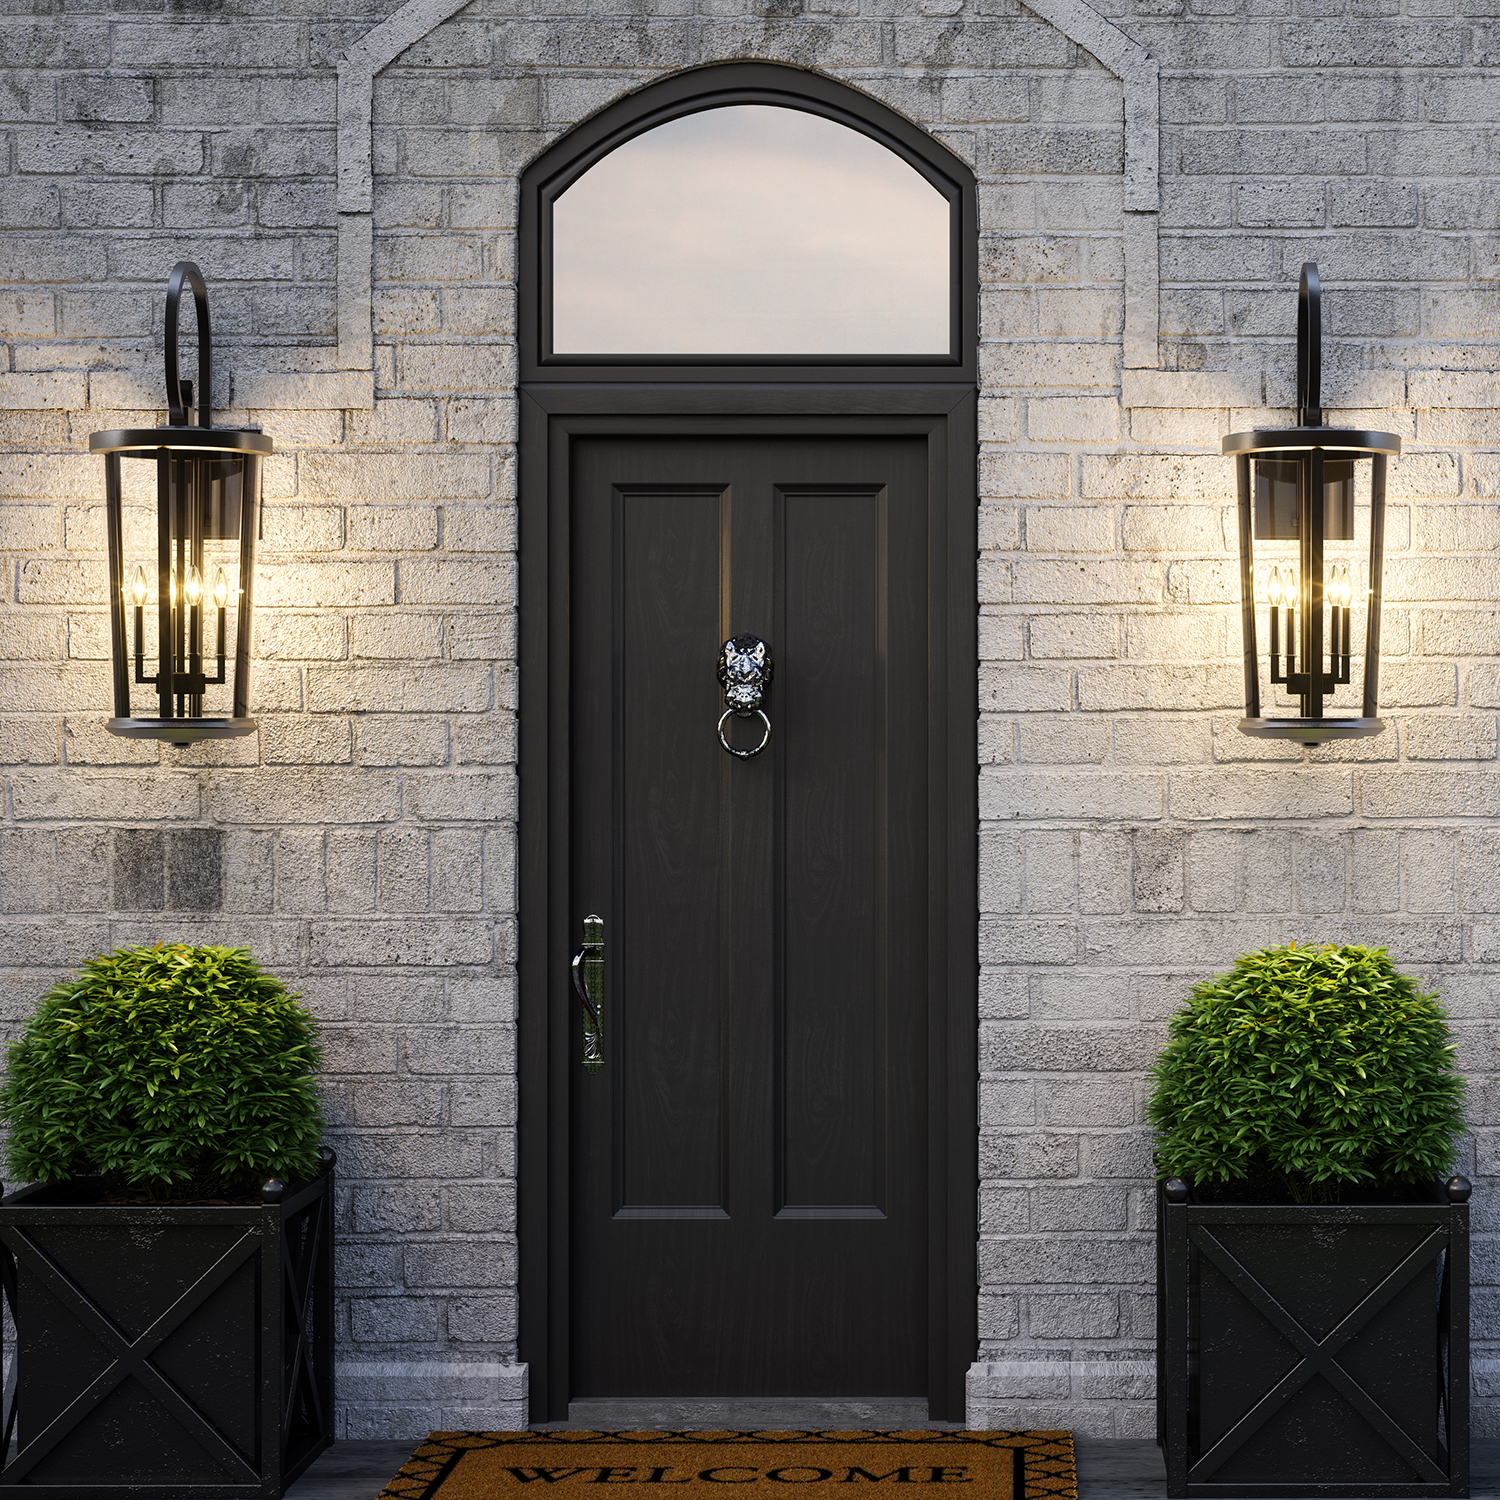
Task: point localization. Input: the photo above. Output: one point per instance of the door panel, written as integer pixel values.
(667, 1087)
(832, 791)
(749, 1198)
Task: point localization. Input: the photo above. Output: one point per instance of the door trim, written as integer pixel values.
(551, 417)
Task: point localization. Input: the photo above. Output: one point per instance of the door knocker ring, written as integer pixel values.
(745, 673)
(765, 738)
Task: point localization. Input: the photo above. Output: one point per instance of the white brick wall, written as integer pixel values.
(1131, 839)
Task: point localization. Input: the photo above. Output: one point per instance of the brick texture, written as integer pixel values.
(1131, 840)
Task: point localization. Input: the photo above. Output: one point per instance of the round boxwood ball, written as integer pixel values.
(1315, 1065)
(163, 1066)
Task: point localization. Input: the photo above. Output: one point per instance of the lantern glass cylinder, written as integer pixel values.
(1311, 556)
(183, 512)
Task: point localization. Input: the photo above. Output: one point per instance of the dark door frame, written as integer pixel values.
(562, 400)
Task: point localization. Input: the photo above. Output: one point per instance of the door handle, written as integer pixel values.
(745, 674)
(588, 980)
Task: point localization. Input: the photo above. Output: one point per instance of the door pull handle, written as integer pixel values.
(588, 980)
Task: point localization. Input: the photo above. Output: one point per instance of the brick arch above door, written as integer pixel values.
(1074, 19)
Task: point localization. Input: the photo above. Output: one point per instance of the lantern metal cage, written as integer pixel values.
(208, 498)
(1297, 485)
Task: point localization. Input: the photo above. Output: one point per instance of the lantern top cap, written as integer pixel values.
(194, 439)
(1310, 433)
(1304, 439)
(179, 430)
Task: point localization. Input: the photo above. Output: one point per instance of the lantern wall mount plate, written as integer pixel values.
(208, 482)
(1296, 486)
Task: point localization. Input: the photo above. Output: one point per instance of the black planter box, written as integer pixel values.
(167, 1351)
(1311, 1349)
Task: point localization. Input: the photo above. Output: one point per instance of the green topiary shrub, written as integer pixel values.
(165, 1065)
(1318, 1066)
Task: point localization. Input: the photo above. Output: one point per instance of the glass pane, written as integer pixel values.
(203, 578)
(1278, 580)
(750, 229)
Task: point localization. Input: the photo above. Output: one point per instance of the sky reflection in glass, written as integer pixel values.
(750, 229)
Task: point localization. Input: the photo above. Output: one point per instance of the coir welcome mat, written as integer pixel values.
(766, 1465)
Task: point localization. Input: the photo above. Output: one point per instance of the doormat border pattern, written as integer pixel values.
(1047, 1468)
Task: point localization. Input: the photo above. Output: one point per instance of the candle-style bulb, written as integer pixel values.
(1277, 598)
(192, 590)
(138, 587)
(221, 590)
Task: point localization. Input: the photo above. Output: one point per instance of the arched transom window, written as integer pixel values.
(752, 229)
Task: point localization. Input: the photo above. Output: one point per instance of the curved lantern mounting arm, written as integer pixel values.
(1309, 349)
(180, 392)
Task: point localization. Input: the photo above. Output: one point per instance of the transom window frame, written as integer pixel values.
(710, 87)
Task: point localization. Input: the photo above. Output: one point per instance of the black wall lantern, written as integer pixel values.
(1296, 496)
(195, 566)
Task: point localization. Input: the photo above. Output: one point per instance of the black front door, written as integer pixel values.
(749, 1210)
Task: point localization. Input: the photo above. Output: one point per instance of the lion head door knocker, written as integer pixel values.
(745, 672)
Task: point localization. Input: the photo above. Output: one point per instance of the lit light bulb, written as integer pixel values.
(193, 589)
(138, 587)
(221, 590)
(1278, 597)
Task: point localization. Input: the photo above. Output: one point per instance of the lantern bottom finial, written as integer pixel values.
(1311, 731)
(181, 731)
